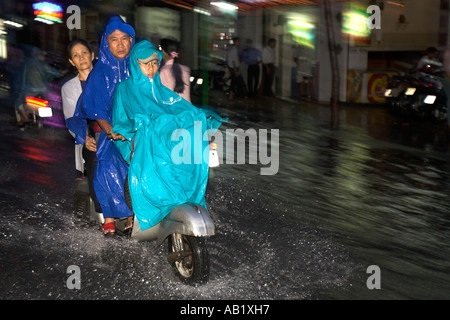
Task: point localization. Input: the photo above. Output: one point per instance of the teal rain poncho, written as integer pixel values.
(167, 138)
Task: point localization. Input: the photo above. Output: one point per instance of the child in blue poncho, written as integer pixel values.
(164, 140)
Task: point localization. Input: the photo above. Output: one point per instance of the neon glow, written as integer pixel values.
(48, 11)
(302, 32)
(355, 22)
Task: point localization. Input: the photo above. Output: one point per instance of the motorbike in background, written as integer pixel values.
(418, 94)
(38, 108)
(216, 77)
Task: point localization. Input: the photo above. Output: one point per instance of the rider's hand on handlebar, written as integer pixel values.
(116, 136)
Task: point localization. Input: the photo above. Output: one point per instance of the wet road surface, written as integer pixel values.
(373, 191)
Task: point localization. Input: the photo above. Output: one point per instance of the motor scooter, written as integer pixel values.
(184, 230)
(38, 109)
(418, 94)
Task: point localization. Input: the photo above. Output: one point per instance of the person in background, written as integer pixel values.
(81, 57)
(174, 75)
(35, 77)
(268, 60)
(96, 103)
(252, 57)
(233, 66)
(431, 57)
(304, 76)
(446, 82)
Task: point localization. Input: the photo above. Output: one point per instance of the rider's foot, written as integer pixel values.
(129, 225)
(109, 228)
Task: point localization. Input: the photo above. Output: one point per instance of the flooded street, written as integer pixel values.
(371, 192)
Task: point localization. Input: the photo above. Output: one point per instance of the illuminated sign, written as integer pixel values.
(48, 12)
(302, 32)
(355, 24)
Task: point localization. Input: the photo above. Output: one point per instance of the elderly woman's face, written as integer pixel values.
(81, 58)
(149, 68)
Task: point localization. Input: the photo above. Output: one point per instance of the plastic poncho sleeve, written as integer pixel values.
(123, 125)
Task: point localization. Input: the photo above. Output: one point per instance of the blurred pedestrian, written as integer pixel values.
(35, 77)
(233, 62)
(303, 74)
(174, 75)
(268, 60)
(446, 81)
(252, 57)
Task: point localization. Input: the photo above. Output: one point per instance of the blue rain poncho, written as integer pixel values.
(95, 103)
(167, 138)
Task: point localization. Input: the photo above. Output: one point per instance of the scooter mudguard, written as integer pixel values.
(187, 219)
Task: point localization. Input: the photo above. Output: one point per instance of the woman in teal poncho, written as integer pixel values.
(165, 140)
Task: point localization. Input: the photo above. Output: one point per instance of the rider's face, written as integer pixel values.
(81, 58)
(150, 68)
(119, 44)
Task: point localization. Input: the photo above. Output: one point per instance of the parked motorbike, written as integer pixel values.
(216, 77)
(184, 230)
(418, 94)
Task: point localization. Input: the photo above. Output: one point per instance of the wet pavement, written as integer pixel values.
(372, 191)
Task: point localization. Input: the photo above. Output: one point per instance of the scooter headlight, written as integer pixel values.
(430, 99)
(388, 93)
(410, 91)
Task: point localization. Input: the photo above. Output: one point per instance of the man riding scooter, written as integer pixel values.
(96, 103)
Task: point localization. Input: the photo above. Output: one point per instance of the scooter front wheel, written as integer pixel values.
(189, 258)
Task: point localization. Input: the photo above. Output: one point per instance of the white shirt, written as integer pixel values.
(70, 92)
(233, 55)
(268, 55)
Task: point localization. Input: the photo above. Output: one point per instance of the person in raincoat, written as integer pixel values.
(35, 77)
(96, 103)
(165, 140)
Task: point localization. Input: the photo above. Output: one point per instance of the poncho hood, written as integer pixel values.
(115, 23)
(143, 50)
(96, 101)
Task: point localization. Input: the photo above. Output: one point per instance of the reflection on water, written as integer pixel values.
(379, 184)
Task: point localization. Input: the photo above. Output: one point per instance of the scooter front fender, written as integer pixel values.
(187, 219)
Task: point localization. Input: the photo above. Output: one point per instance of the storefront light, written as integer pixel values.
(13, 24)
(224, 5)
